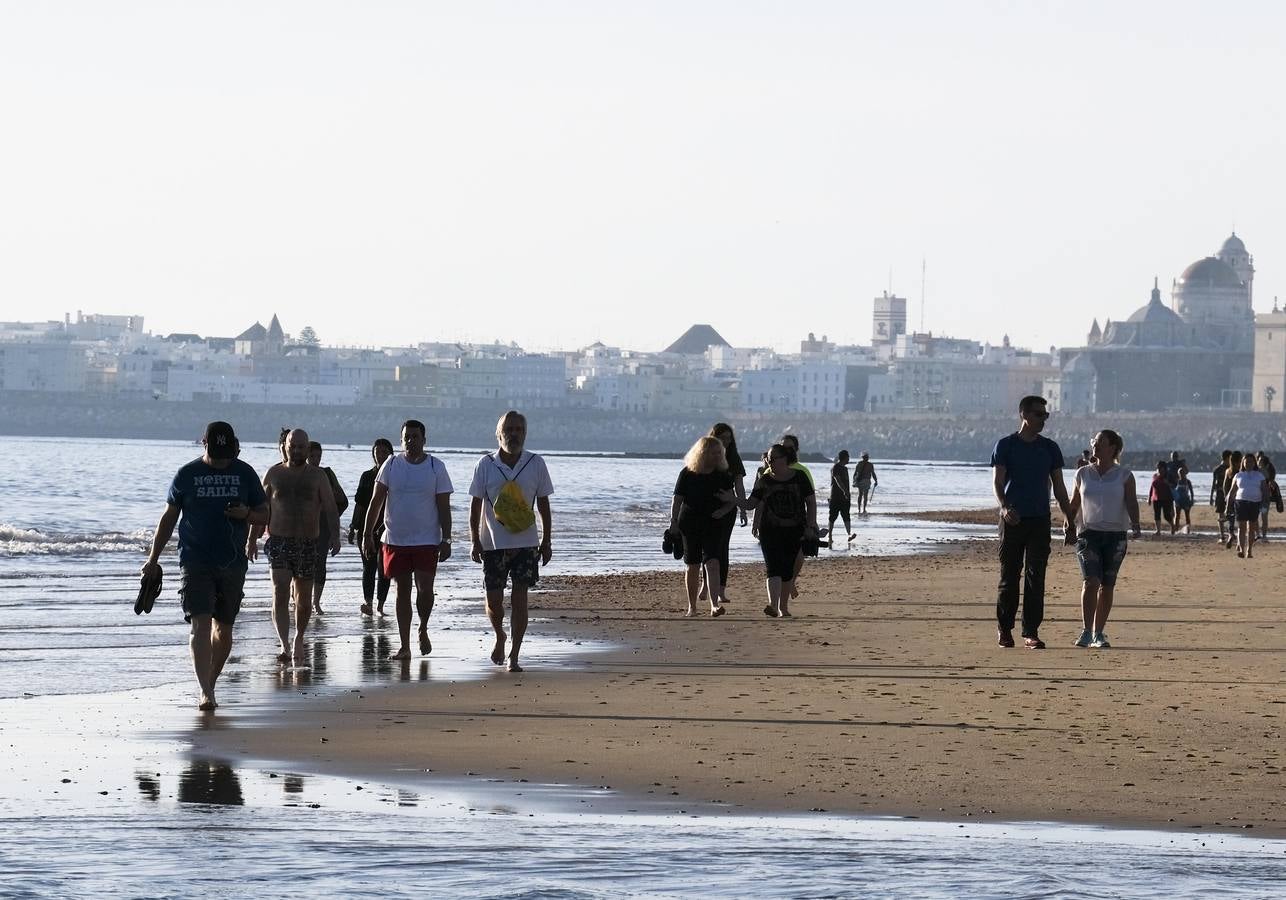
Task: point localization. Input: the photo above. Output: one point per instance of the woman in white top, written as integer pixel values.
(1104, 505)
(1246, 494)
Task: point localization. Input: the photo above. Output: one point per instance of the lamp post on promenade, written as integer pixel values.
(1269, 393)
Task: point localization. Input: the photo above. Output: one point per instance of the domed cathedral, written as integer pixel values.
(1197, 352)
(1216, 293)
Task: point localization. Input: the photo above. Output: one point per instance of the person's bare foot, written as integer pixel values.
(426, 646)
(703, 594)
(366, 609)
(380, 611)
(794, 590)
(498, 651)
(300, 653)
(692, 611)
(207, 703)
(317, 610)
(785, 613)
(513, 665)
(283, 656)
(402, 653)
(716, 611)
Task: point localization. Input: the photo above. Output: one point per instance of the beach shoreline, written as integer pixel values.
(886, 695)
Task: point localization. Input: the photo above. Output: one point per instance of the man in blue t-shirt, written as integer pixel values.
(1024, 466)
(213, 500)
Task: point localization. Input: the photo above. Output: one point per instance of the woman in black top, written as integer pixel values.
(372, 572)
(702, 497)
(722, 431)
(785, 511)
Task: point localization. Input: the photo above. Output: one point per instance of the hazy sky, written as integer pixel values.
(559, 173)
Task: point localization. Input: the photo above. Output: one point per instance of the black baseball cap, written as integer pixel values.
(220, 441)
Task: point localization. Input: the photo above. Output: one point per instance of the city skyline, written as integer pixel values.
(578, 172)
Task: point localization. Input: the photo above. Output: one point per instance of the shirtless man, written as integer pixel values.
(298, 496)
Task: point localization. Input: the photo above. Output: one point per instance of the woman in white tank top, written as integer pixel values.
(1104, 504)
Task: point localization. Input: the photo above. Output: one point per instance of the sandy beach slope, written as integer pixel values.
(886, 694)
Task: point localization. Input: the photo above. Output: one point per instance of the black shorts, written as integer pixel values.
(701, 542)
(1247, 510)
(519, 564)
(780, 547)
(296, 556)
(207, 590)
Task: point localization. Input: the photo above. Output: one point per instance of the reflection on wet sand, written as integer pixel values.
(207, 781)
(148, 786)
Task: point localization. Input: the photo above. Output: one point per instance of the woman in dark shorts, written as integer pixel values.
(1162, 499)
(375, 583)
(722, 431)
(702, 498)
(785, 511)
(1246, 495)
(1104, 504)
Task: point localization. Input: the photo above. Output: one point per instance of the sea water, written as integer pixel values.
(101, 792)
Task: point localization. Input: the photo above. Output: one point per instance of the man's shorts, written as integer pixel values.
(405, 560)
(207, 590)
(295, 556)
(522, 564)
(1100, 554)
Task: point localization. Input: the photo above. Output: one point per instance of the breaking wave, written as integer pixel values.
(33, 542)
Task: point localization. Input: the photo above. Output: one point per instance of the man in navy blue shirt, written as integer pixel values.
(1024, 466)
(218, 497)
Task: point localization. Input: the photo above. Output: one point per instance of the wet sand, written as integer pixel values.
(886, 694)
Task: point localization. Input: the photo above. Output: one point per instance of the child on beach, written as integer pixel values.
(1183, 497)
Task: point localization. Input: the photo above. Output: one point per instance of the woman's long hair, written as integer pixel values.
(705, 451)
(730, 452)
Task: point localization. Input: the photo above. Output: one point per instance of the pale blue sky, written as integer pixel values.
(558, 173)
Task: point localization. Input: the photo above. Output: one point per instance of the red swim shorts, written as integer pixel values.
(405, 560)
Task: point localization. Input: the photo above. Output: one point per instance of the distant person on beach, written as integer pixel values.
(785, 512)
(502, 530)
(723, 432)
(1172, 467)
(1161, 497)
(1183, 500)
(840, 501)
(213, 500)
(1271, 493)
(1246, 496)
(1084, 459)
(864, 479)
(1218, 496)
(1024, 466)
(299, 496)
(1104, 504)
(696, 510)
(375, 583)
(341, 504)
(1230, 508)
(413, 499)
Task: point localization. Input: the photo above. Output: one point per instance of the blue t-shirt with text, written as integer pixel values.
(1028, 466)
(203, 492)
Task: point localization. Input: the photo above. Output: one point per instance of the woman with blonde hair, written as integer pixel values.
(701, 501)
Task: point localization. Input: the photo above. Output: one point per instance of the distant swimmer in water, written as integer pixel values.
(213, 500)
(299, 495)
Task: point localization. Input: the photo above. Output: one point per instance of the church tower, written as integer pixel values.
(1233, 252)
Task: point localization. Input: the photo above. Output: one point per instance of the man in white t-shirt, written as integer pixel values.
(413, 495)
(509, 552)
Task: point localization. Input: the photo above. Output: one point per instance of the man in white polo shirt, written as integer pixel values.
(413, 494)
(505, 541)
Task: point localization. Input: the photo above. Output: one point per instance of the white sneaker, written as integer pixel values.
(1085, 638)
(1100, 641)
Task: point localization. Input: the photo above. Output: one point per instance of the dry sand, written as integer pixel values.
(886, 694)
